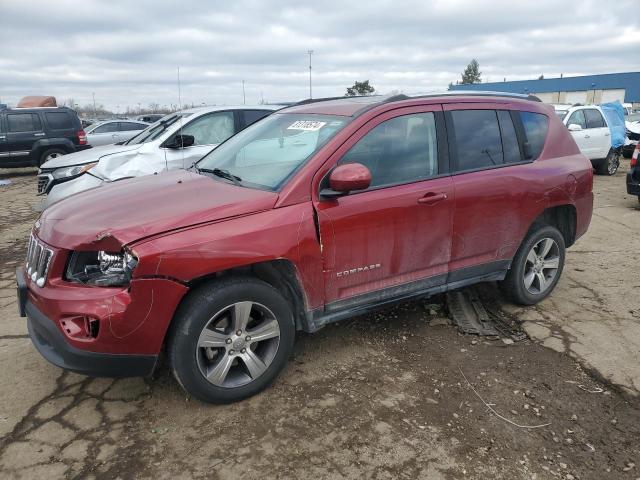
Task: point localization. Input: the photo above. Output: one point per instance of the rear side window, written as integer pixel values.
(477, 139)
(23, 122)
(59, 120)
(510, 145)
(128, 126)
(251, 116)
(400, 150)
(535, 130)
(577, 118)
(106, 128)
(594, 118)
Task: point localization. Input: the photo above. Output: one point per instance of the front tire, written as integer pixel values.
(50, 154)
(610, 164)
(537, 266)
(230, 339)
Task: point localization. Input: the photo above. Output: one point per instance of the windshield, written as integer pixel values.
(155, 130)
(268, 152)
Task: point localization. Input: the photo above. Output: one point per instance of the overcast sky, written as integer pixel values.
(129, 52)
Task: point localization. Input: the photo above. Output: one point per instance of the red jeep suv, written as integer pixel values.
(319, 212)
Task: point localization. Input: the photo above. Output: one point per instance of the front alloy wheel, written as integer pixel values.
(230, 339)
(238, 344)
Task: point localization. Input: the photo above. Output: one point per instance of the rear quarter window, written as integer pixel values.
(59, 120)
(535, 126)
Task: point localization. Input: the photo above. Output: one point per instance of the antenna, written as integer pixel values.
(244, 98)
(310, 52)
(179, 118)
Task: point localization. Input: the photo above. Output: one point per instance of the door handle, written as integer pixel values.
(587, 136)
(432, 197)
(607, 134)
(39, 134)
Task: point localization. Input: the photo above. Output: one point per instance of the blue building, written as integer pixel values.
(587, 89)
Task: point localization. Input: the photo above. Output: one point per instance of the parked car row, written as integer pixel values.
(176, 141)
(315, 213)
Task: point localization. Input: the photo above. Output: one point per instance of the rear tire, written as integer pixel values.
(230, 339)
(536, 267)
(610, 164)
(50, 154)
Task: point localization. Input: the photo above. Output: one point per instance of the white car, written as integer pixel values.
(590, 130)
(176, 141)
(113, 131)
(632, 125)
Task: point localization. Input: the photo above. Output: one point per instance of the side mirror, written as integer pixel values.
(181, 141)
(574, 127)
(347, 178)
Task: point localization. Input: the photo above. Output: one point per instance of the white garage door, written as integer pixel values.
(613, 95)
(576, 97)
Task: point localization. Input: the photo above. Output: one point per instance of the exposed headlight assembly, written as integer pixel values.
(103, 269)
(70, 172)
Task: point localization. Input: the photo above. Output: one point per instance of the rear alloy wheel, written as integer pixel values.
(230, 339)
(610, 164)
(50, 154)
(537, 266)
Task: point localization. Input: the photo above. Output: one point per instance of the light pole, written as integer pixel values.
(310, 52)
(244, 98)
(93, 94)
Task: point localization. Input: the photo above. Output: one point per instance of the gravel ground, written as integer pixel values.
(395, 394)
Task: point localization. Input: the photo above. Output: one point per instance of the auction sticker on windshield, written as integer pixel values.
(307, 125)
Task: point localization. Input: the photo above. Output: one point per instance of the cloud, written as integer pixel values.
(129, 52)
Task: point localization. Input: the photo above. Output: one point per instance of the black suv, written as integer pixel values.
(31, 136)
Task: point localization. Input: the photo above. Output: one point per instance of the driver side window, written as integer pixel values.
(400, 150)
(210, 129)
(577, 118)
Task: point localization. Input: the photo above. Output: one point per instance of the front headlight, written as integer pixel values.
(69, 172)
(104, 269)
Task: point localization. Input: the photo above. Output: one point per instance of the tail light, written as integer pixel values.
(82, 137)
(636, 154)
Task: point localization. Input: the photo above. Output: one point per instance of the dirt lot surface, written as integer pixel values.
(396, 394)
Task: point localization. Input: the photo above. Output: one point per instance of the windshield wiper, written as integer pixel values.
(222, 173)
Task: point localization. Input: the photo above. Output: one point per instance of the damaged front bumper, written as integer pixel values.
(113, 332)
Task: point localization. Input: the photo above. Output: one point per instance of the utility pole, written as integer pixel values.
(244, 98)
(310, 52)
(95, 115)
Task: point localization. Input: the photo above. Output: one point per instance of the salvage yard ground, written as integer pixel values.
(396, 394)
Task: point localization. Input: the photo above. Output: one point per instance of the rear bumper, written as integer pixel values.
(53, 347)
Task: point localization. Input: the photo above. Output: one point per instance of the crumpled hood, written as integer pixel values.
(633, 126)
(87, 156)
(128, 210)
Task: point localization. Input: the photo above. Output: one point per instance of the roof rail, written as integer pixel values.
(478, 93)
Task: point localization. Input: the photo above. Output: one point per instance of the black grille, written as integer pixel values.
(43, 183)
(633, 136)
